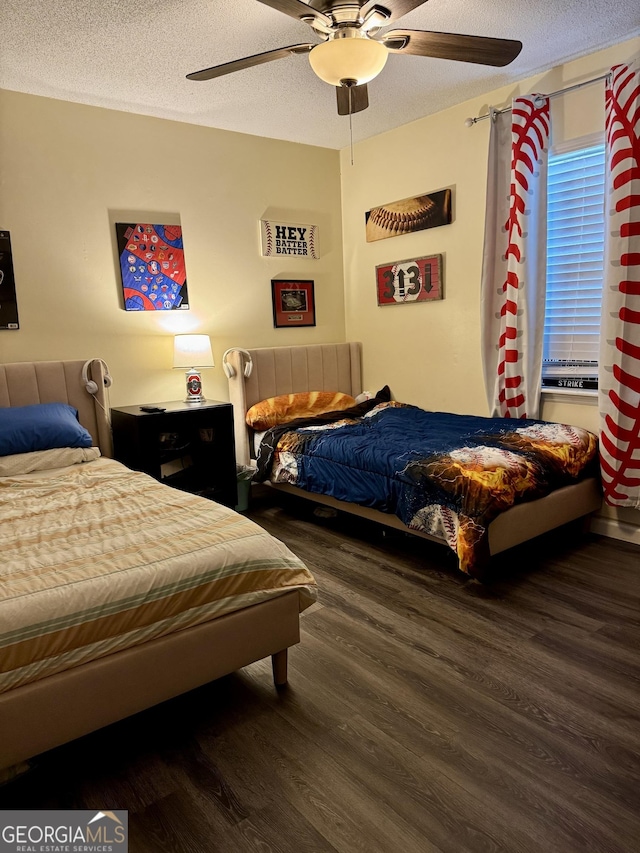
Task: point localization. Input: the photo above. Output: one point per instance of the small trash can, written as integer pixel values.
(244, 473)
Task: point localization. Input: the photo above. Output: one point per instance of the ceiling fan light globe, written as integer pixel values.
(358, 59)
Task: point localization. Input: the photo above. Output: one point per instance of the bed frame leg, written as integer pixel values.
(585, 523)
(279, 664)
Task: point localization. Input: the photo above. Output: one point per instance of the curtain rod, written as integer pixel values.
(471, 121)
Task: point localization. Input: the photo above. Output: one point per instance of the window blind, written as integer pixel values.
(575, 267)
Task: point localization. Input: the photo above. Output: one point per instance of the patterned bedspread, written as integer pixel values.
(443, 474)
(97, 558)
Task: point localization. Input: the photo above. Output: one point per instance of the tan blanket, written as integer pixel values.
(95, 558)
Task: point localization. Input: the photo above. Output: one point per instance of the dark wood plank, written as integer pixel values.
(424, 712)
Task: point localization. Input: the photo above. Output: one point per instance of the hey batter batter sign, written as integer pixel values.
(287, 238)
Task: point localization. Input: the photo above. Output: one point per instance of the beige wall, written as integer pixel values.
(68, 171)
(429, 353)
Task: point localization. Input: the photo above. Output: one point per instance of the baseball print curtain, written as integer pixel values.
(619, 382)
(514, 262)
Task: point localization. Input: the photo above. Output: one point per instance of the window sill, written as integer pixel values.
(584, 397)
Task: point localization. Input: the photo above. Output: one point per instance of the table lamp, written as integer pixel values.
(192, 353)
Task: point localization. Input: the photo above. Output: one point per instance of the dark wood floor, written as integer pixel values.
(424, 712)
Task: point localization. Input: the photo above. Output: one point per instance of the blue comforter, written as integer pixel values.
(441, 473)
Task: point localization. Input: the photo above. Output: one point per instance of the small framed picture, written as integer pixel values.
(293, 303)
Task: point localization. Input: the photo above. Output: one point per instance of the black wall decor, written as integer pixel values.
(8, 304)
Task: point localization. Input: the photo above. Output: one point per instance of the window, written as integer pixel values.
(575, 266)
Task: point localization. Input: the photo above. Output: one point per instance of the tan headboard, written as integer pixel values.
(289, 370)
(28, 382)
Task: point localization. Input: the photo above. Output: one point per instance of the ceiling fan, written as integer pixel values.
(352, 51)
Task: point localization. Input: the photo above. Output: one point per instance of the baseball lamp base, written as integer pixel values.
(194, 387)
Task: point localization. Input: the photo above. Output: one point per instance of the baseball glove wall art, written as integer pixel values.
(408, 215)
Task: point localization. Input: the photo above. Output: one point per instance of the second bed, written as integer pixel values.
(479, 485)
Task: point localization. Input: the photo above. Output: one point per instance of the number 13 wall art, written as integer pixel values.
(415, 280)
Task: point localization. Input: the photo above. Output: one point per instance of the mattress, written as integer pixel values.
(97, 558)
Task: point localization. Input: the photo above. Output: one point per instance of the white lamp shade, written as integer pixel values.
(359, 59)
(192, 351)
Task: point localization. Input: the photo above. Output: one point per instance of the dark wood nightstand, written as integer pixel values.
(187, 446)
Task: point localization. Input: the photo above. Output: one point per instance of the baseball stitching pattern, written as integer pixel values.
(530, 135)
(312, 242)
(620, 356)
(269, 237)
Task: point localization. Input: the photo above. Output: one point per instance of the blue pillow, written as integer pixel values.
(41, 427)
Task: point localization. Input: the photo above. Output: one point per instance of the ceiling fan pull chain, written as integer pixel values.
(350, 121)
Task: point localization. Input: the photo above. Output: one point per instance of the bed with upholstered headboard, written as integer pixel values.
(30, 382)
(116, 591)
(338, 367)
(287, 370)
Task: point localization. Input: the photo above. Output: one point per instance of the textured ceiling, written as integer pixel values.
(133, 55)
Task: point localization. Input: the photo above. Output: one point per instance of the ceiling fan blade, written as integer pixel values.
(297, 9)
(248, 62)
(359, 99)
(393, 9)
(478, 49)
